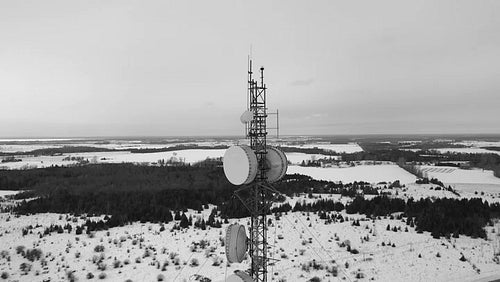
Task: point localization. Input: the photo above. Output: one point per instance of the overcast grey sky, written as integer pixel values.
(109, 68)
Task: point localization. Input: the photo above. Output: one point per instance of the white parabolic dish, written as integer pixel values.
(240, 164)
(247, 116)
(277, 163)
(236, 243)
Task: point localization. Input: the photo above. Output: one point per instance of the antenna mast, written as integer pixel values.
(260, 204)
(255, 167)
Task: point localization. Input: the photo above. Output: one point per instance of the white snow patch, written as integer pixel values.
(339, 148)
(451, 175)
(367, 173)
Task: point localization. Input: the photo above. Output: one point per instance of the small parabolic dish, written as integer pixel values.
(247, 116)
(239, 276)
(240, 164)
(277, 164)
(236, 243)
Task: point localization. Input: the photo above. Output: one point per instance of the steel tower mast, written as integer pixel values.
(261, 192)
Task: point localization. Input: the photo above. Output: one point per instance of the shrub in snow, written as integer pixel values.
(90, 275)
(217, 261)
(164, 266)
(204, 243)
(176, 261)
(101, 266)
(4, 254)
(71, 276)
(126, 261)
(33, 254)
(160, 277)
(99, 249)
(25, 267)
(463, 258)
(360, 275)
(4, 275)
(354, 251)
(333, 270)
(97, 259)
(116, 263)
(20, 250)
(314, 279)
(102, 275)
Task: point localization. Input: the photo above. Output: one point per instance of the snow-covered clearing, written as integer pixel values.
(297, 158)
(367, 173)
(297, 239)
(456, 175)
(475, 143)
(187, 156)
(4, 193)
(339, 148)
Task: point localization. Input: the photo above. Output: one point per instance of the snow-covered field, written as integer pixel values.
(456, 175)
(475, 143)
(4, 193)
(188, 156)
(367, 173)
(339, 148)
(297, 239)
(297, 158)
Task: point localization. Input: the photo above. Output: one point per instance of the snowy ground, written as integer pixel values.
(297, 158)
(4, 193)
(297, 239)
(367, 173)
(457, 175)
(339, 148)
(475, 143)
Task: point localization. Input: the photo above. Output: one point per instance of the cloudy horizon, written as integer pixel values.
(158, 68)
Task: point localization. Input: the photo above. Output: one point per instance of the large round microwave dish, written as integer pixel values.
(236, 243)
(277, 164)
(247, 116)
(240, 164)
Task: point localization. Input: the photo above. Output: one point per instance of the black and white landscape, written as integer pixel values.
(146, 209)
(115, 118)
